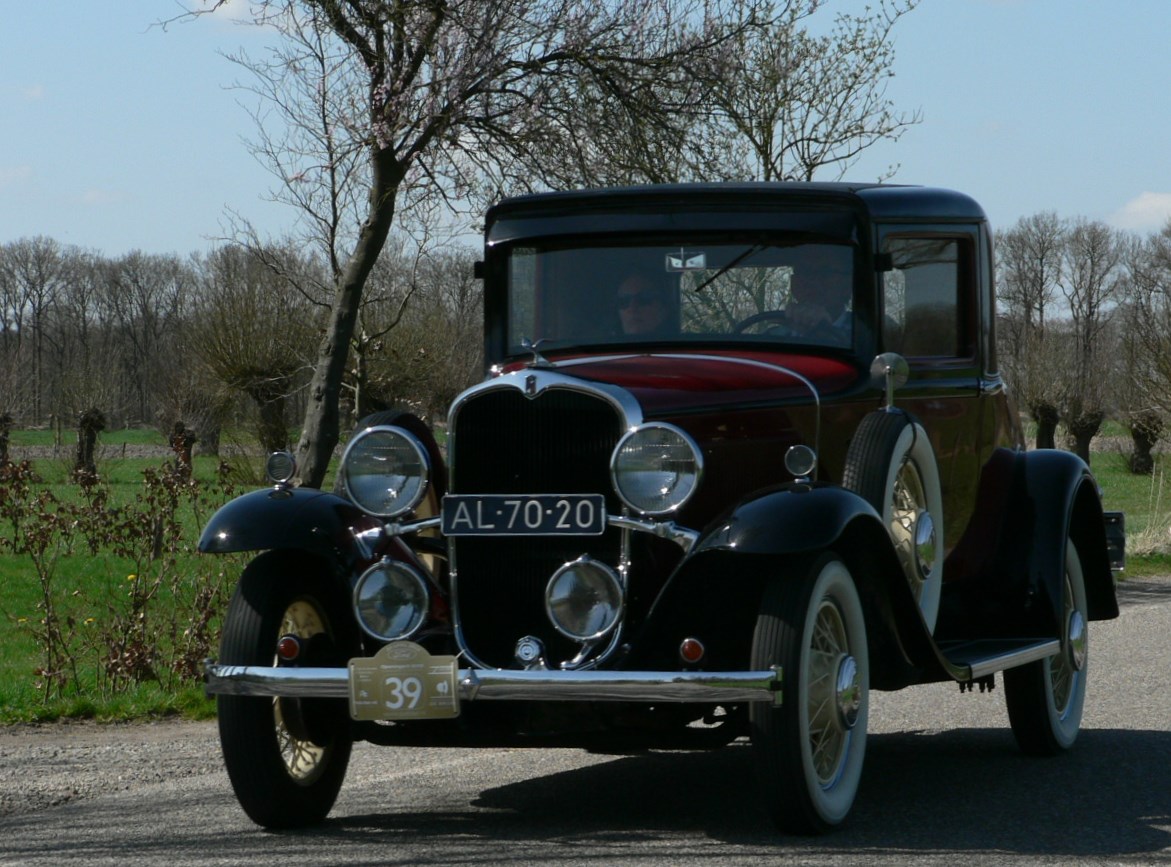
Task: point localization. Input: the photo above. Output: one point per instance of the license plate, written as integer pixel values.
(402, 682)
(524, 515)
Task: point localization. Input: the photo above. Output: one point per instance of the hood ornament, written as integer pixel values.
(538, 359)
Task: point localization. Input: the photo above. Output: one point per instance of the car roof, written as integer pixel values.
(888, 202)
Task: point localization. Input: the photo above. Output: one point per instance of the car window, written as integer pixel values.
(924, 313)
(764, 290)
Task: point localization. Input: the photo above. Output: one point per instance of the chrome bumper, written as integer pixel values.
(499, 685)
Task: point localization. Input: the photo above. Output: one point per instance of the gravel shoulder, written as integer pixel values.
(48, 765)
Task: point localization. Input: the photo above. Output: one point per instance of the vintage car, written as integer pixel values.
(743, 454)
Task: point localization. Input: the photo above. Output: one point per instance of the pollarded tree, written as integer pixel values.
(1092, 282)
(1147, 348)
(1029, 259)
(250, 333)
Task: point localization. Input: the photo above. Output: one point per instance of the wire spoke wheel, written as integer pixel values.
(1045, 699)
(286, 757)
(811, 748)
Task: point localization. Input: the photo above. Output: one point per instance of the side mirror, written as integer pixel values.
(891, 371)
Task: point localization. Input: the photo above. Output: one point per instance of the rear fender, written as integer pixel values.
(1006, 573)
(1067, 506)
(289, 518)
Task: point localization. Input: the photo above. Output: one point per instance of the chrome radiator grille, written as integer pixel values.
(503, 442)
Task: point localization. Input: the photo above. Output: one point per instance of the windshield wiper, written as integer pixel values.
(750, 251)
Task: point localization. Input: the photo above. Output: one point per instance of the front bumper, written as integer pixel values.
(721, 687)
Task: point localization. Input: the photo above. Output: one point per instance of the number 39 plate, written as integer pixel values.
(403, 681)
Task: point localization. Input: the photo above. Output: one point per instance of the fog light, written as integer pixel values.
(391, 600)
(280, 467)
(584, 599)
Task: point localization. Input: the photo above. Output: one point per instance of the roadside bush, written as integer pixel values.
(121, 597)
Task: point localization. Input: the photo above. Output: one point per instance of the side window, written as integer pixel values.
(923, 297)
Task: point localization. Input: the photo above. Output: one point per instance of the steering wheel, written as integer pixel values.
(756, 318)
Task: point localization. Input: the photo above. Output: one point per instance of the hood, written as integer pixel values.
(678, 381)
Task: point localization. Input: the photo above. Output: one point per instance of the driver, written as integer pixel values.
(819, 301)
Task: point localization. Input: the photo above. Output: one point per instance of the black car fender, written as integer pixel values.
(1004, 577)
(714, 593)
(1062, 499)
(289, 518)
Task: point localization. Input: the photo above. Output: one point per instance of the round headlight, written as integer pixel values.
(656, 468)
(391, 600)
(385, 471)
(584, 599)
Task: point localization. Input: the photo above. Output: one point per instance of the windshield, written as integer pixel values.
(694, 291)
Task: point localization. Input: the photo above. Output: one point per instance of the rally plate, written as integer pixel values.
(403, 682)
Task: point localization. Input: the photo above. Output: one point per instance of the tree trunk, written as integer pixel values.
(89, 425)
(1145, 430)
(273, 431)
(1046, 417)
(1084, 427)
(320, 432)
(6, 423)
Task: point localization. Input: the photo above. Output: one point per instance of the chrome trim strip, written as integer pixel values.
(1014, 658)
(499, 685)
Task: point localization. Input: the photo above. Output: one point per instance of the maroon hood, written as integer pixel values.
(672, 381)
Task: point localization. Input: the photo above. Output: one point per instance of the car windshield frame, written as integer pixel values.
(586, 293)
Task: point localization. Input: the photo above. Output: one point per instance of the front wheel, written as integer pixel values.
(810, 749)
(286, 758)
(1045, 698)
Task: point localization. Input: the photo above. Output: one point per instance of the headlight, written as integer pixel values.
(584, 599)
(391, 600)
(656, 468)
(385, 471)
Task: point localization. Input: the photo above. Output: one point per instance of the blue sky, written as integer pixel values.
(120, 136)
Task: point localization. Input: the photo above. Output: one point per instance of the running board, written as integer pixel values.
(972, 660)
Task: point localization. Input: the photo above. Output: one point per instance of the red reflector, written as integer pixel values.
(691, 650)
(288, 648)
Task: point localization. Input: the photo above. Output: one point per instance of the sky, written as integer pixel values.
(118, 135)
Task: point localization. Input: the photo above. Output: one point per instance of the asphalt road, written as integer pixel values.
(944, 784)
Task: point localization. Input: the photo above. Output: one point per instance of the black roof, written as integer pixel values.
(881, 201)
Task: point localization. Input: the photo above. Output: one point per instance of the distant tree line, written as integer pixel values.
(222, 339)
(225, 338)
(1085, 328)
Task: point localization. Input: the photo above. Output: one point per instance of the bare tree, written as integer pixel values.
(1147, 344)
(1029, 262)
(793, 104)
(32, 270)
(249, 332)
(450, 99)
(1091, 284)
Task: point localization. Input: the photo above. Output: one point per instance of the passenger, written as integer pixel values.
(643, 307)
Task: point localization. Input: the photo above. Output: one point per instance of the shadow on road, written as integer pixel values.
(961, 791)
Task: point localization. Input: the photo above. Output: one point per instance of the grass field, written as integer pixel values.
(91, 588)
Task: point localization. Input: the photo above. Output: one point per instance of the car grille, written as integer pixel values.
(503, 442)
